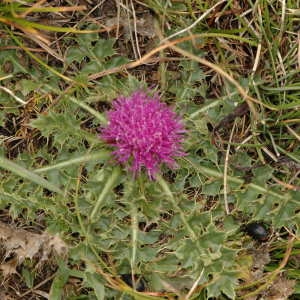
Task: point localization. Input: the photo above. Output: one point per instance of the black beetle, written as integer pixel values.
(257, 230)
(139, 282)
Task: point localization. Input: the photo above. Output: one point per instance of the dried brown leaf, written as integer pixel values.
(57, 244)
(21, 242)
(143, 26)
(24, 244)
(53, 243)
(261, 257)
(6, 296)
(281, 289)
(9, 268)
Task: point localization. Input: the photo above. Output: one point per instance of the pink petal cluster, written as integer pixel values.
(145, 133)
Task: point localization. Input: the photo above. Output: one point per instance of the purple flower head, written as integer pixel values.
(145, 133)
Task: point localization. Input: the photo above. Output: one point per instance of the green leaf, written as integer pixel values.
(148, 237)
(62, 126)
(87, 38)
(212, 239)
(27, 86)
(225, 283)
(212, 188)
(104, 48)
(166, 264)
(61, 278)
(262, 175)
(28, 277)
(242, 160)
(82, 252)
(91, 67)
(285, 213)
(116, 61)
(10, 57)
(94, 281)
(207, 253)
(75, 53)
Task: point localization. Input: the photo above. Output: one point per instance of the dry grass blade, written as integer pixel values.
(226, 171)
(8, 91)
(31, 8)
(146, 58)
(45, 46)
(220, 71)
(203, 16)
(37, 8)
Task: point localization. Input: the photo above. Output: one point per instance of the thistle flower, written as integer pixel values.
(144, 132)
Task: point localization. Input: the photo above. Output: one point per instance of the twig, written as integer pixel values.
(286, 185)
(37, 286)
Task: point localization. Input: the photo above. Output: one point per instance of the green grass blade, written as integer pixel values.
(214, 173)
(27, 24)
(20, 171)
(89, 109)
(101, 155)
